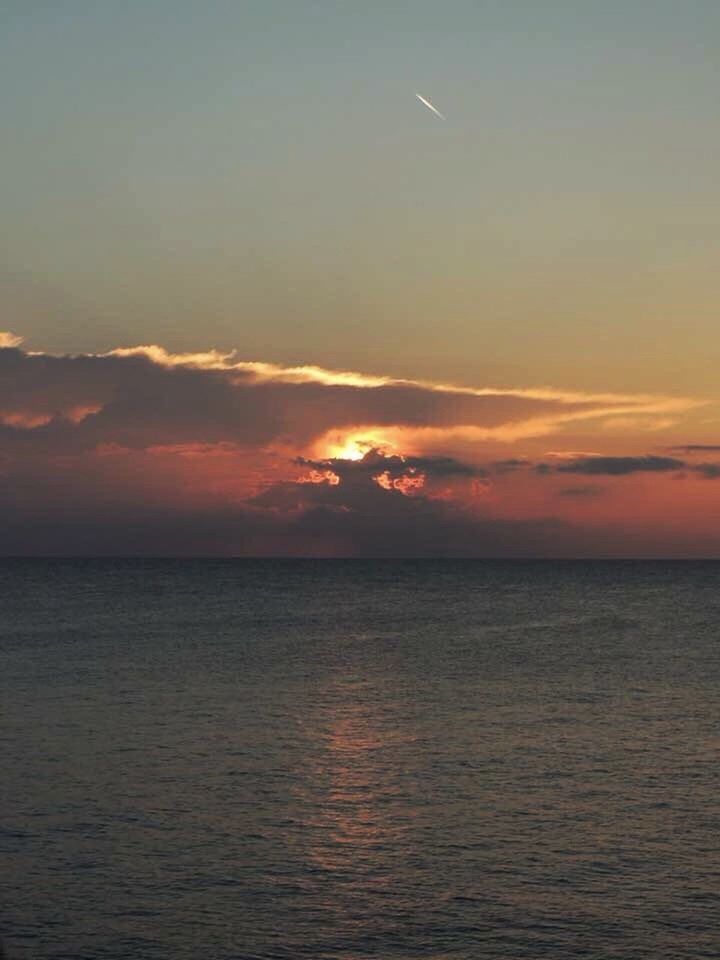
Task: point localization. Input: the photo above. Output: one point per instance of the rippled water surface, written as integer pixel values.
(352, 759)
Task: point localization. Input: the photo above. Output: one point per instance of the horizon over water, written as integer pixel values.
(343, 759)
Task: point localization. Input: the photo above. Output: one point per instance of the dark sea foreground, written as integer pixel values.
(236, 759)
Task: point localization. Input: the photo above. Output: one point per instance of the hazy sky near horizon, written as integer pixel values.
(258, 174)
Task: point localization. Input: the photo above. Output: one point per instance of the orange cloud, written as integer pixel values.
(8, 340)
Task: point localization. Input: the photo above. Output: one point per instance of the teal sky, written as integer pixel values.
(259, 175)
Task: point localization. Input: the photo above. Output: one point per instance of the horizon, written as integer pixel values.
(218, 558)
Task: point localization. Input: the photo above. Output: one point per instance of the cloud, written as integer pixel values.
(140, 450)
(510, 465)
(696, 448)
(711, 471)
(142, 396)
(375, 462)
(8, 340)
(580, 492)
(597, 465)
(309, 373)
(620, 466)
(130, 502)
(345, 505)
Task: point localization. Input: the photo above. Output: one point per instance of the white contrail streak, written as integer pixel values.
(430, 106)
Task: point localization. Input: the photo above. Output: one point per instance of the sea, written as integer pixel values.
(339, 760)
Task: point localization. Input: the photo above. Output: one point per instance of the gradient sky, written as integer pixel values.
(257, 175)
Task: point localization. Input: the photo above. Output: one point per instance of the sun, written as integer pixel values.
(351, 450)
(352, 446)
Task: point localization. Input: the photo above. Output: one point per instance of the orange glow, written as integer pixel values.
(351, 450)
(353, 796)
(28, 420)
(406, 485)
(321, 476)
(25, 421)
(350, 446)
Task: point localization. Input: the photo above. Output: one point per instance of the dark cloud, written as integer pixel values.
(623, 466)
(696, 448)
(509, 466)
(580, 492)
(116, 511)
(711, 471)
(375, 462)
(619, 466)
(144, 396)
(352, 511)
(138, 402)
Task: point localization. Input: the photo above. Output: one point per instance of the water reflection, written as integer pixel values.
(358, 797)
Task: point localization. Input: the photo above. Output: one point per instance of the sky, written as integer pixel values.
(260, 300)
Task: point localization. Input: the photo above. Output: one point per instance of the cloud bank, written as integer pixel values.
(139, 450)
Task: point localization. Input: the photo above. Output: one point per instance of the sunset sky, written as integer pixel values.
(259, 300)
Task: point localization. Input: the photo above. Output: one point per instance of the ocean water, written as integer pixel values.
(346, 760)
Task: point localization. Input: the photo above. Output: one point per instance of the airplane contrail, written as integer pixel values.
(430, 106)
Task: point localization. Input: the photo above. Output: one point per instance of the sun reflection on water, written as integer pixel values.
(360, 812)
